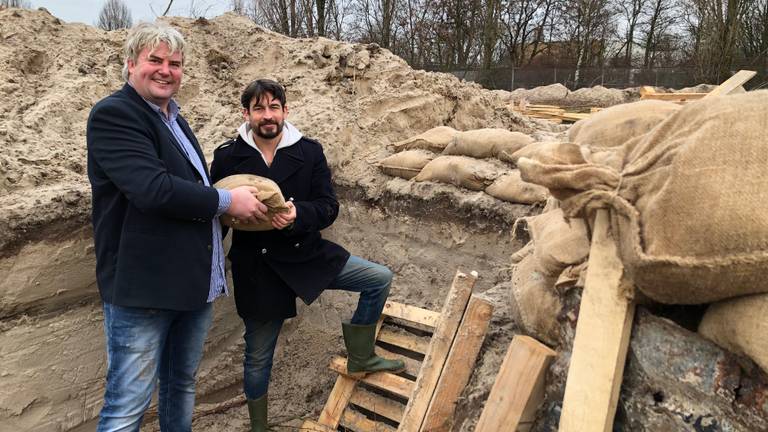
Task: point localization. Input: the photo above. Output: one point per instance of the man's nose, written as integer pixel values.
(165, 69)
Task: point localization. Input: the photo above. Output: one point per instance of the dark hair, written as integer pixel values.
(257, 90)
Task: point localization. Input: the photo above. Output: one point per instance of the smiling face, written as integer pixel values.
(266, 116)
(156, 74)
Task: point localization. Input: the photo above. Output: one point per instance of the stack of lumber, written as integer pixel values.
(552, 113)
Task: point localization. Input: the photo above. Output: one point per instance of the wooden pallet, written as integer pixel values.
(422, 398)
(552, 113)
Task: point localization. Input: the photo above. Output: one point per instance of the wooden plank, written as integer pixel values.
(312, 426)
(337, 401)
(382, 380)
(732, 83)
(359, 423)
(339, 397)
(442, 339)
(412, 367)
(519, 387)
(404, 340)
(459, 366)
(674, 96)
(601, 341)
(411, 313)
(647, 90)
(378, 404)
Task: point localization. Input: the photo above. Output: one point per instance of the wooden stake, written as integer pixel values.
(732, 83)
(519, 386)
(602, 339)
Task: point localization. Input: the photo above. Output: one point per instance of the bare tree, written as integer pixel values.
(24, 4)
(631, 12)
(656, 31)
(114, 15)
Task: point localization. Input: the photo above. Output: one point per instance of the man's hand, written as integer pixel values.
(245, 206)
(282, 220)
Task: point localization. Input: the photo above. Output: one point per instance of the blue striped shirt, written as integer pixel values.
(218, 285)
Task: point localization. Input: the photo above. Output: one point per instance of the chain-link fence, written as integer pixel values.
(508, 78)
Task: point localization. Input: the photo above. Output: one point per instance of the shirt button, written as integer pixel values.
(199, 181)
(296, 245)
(210, 247)
(263, 251)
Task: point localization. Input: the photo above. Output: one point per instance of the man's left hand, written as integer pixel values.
(282, 220)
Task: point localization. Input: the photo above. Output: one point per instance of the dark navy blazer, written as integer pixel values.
(271, 268)
(152, 214)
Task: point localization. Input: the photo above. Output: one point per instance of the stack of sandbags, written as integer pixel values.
(460, 162)
(555, 256)
(688, 204)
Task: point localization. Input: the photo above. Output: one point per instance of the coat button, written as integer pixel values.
(200, 181)
(263, 251)
(210, 247)
(296, 245)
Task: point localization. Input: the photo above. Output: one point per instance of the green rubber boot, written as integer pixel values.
(361, 360)
(257, 411)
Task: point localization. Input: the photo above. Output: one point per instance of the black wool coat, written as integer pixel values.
(271, 268)
(152, 213)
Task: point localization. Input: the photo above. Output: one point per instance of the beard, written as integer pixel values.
(268, 135)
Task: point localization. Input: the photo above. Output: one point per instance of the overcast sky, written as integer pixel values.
(87, 11)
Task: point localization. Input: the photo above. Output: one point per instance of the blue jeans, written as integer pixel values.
(371, 280)
(143, 344)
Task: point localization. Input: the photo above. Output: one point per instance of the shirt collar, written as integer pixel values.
(173, 107)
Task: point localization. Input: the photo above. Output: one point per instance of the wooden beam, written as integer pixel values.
(312, 426)
(442, 339)
(412, 366)
(729, 85)
(459, 366)
(411, 313)
(519, 387)
(601, 341)
(674, 96)
(378, 404)
(337, 401)
(405, 340)
(359, 423)
(381, 380)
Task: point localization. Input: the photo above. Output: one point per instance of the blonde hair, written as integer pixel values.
(150, 35)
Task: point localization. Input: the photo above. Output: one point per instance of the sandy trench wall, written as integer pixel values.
(356, 99)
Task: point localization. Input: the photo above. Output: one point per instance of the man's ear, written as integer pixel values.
(245, 114)
(285, 110)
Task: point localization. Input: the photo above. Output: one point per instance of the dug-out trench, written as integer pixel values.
(52, 359)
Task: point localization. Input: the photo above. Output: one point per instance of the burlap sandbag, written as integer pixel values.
(435, 139)
(459, 171)
(269, 194)
(534, 298)
(510, 187)
(557, 242)
(406, 164)
(550, 152)
(739, 325)
(486, 143)
(618, 124)
(688, 206)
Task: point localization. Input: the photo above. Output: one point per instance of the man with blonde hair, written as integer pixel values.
(159, 256)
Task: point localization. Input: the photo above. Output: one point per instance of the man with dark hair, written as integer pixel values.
(271, 268)
(159, 256)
